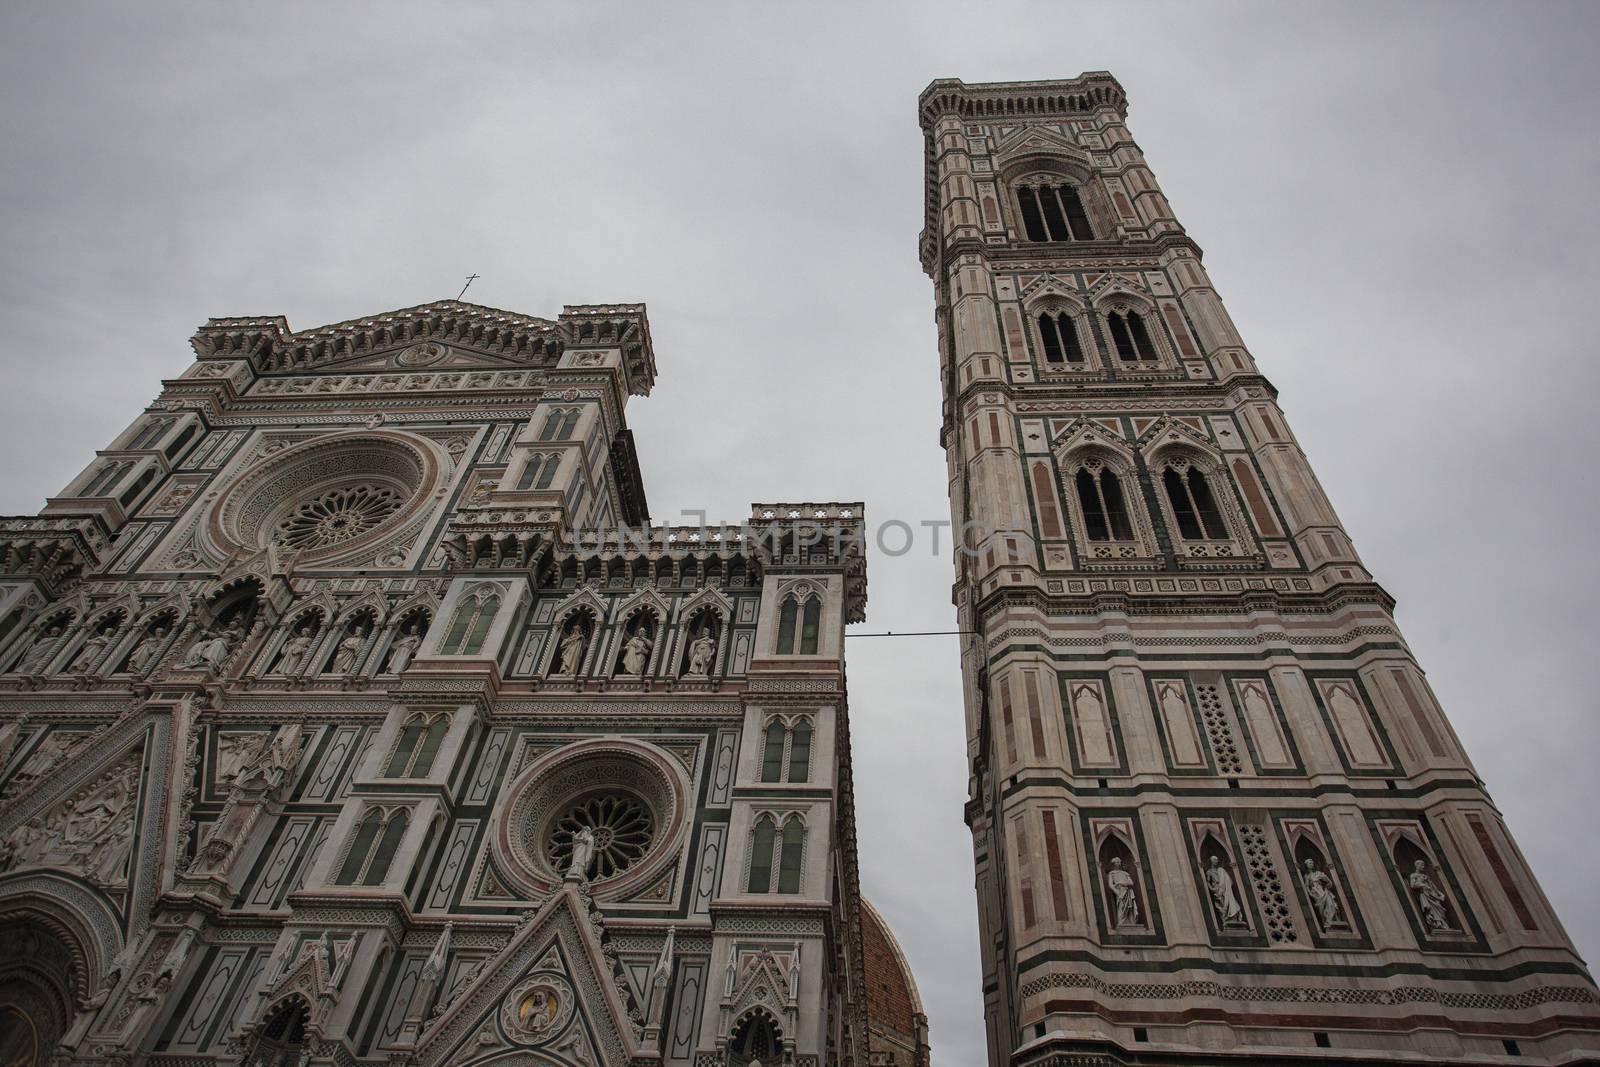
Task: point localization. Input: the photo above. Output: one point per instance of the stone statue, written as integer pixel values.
(91, 651)
(212, 651)
(636, 653)
(143, 656)
(1224, 898)
(1324, 898)
(402, 649)
(1431, 901)
(583, 845)
(344, 660)
(569, 656)
(292, 657)
(1120, 882)
(40, 651)
(701, 652)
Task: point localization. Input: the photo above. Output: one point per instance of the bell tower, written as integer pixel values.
(1217, 813)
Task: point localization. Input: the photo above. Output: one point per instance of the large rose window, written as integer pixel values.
(338, 515)
(627, 798)
(622, 825)
(332, 496)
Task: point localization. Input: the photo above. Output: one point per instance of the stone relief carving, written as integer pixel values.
(90, 833)
(402, 649)
(144, 654)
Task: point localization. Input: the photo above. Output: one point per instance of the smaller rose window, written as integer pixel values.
(622, 826)
(338, 515)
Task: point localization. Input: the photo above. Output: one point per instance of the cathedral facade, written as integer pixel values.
(352, 711)
(1217, 813)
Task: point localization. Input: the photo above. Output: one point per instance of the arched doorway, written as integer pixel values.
(37, 979)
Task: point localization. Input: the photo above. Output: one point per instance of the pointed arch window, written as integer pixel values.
(1101, 502)
(772, 754)
(373, 850)
(1053, 212)
(140, 484)
(787, 615)
(1058, 335)
(150, 434)
(800, 752)
(417, 747)
(786, 747)
(1130, 337)
(763, 842)
(538, 472)
(772, 848)
(102, 482)
(810, 623)
(559, 424)
(793, 848)
(1194, 507)
(470, 626)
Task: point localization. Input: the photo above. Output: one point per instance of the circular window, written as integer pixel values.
(620, 823)
(330, 496)
(338, 515)
(626, 797)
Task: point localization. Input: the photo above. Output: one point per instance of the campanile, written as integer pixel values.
(1217, 813)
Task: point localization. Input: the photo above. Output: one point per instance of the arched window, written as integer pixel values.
(1193, 505)
(372, 852)
(139, 486)
(419, 744)
(1059, 337)
(282, 1037)
(786, 620)
(150, 434)
(772, 754)
(468, 630)
(1130, 337)
(179, 441)
(559, 424)
(1053, 212)
(755, 1038)
(102, 482)
(539, 472)
(1100, 500)
(761, 848)
(800, 752)
(809, 623)
(794, 840)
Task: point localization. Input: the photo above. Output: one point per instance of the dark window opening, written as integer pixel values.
(1060, 338)
(1053, 213)
(1105, 516)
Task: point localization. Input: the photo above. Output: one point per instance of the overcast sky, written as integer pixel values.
(1396, 202)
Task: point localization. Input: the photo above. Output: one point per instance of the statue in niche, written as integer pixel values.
(344, 659)
(39, 653)
(636, 652)
(235, 752)
(212, 651)
(1120, 882)
(1431, 901)
(583, 846)
(403, 648)
(1324, 898)
(92, 649)
(569, 654)
(143, 656)
(1224, 897)
(292, 656)
(702, 650)
(268, 764)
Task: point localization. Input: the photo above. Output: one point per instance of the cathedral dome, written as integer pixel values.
(897, 1027)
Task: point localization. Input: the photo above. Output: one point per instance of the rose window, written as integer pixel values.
(338, 515)
(622, 825)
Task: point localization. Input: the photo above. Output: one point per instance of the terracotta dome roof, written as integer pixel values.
(893, 1003)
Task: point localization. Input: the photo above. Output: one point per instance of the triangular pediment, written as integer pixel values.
(552, 991)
